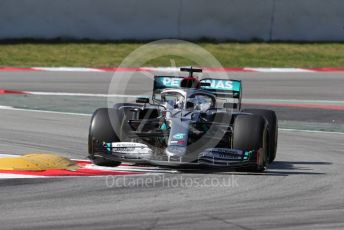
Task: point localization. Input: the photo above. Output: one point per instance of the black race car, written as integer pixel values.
(189, 122)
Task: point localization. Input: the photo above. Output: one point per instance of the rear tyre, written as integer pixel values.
(249, 133)
(105, 126)
(271, 118)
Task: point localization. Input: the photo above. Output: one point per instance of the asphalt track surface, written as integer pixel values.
(303, 189)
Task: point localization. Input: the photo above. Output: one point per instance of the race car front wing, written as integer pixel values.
(141, 153)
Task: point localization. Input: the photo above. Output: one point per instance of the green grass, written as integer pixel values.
(88, 54)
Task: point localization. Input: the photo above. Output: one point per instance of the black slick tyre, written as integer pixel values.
(271, 118)
(106, 124)
(249, 133)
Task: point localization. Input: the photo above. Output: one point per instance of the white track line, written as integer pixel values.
(17, 176)
(293, 101)
(67, 69)
(42, 111)
(78, 94)
(310, 131)
(8, 155)
(280, 70)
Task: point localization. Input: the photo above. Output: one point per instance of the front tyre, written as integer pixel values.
(271, 118)
(249, 133)
(105, 127)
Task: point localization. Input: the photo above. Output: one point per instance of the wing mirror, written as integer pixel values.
(143, 100)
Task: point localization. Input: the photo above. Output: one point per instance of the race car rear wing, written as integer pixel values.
(221, 88)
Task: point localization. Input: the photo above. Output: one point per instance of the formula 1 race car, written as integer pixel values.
(189, 122)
